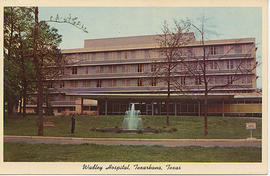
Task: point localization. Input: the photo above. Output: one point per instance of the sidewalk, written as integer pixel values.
(131, 141)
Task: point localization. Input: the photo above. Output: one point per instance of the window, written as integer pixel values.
(110, 68)
(99, 69)
(106, 56)
(93, 108)
(215, 65)
(211, 50)
(86, 108)
(127, 82)
(154, 82)
(74, 70)
(114, 69)
(211, 80)
(221, 50)
(86, 83)
(50, 85)
(140, 67)
(123, 68)
(211, 65)
(243, 80)
(99, 83)
(249, 80)
(93, 56)
(238, 49)
(74, 84)
(59, 110)
(72, 108)
(139, 82)
(119, 55)
(114, 83)
(86, 70)
(229, 80)
(231, 64)
(198, 80)
(146, 54)
(183, 80)
(62, 84)
(153, 67)
(133, 54)
(126, 55)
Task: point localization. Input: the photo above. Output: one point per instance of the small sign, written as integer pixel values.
(250, 126)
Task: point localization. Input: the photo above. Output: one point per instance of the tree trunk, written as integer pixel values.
(24, 102)
(205, 114)
(38, 77)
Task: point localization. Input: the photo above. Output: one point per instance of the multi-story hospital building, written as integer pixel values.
(108, 74)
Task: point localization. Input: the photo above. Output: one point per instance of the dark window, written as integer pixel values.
(183, 80)
(59, 110)
(153, 67)
(62, 84)
(93, 108)
(72, 108)
(211, 50)
(154, 81)
(140, 67)
(86, 108)
(139, 82)
(50, 85)
(74, 70)
(198, 80)
(99, 83)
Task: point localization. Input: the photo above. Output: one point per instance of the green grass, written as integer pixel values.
(187, 127)
(22, 152)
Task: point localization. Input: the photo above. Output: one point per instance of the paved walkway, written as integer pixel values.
(125, 141)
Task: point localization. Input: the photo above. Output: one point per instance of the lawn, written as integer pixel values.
(187, 127)
(22, 152)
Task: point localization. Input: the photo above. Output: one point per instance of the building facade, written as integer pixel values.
(108, 74)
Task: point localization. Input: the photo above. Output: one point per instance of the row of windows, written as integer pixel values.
(155, 53)
(211, 65)
(213, 80)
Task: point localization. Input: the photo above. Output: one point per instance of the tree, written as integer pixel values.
(32, 56)
(17, 31)
(47, 57)
(180, 62)
(170, 42)
(199, 68)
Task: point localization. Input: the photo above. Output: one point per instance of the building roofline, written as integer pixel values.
(151, 45)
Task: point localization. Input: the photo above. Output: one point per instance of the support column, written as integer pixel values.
(152, 104)
(175, 109)
(222, 108)
(106, 107)
(81, 106)
(199, 108)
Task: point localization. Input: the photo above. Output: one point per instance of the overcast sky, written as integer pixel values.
(107, 22)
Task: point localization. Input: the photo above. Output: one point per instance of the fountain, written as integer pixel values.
(131, 120)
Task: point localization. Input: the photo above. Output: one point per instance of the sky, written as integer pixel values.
(108, 22)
